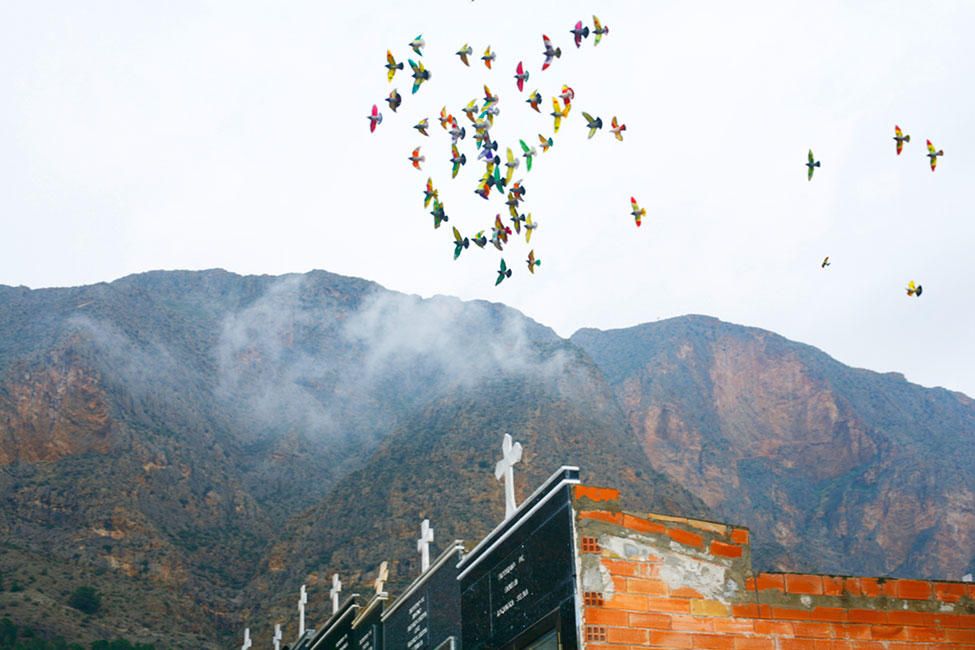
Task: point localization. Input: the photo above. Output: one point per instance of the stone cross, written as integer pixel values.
(334, 592)
(510, 454)
(277, 636)
(423, 545)
(382, 577)
(247, 639)
(302, 601)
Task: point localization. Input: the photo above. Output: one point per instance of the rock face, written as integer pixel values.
(835, 469)
(197, 445)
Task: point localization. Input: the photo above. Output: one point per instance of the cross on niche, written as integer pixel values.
(247, 639)
(504, 470)
(423, 545)
(382, 577)
(334, 592)
(277, 636)
(302, 601)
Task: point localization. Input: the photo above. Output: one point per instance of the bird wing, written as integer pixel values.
(900, 146)
(930, 147)
(810, 155)
(614, 123)
(457, 237)
(520, 70)
(510, 156)
(898, 132)
(524, 147)
(504, 267)
(596, 23)
(810, 174)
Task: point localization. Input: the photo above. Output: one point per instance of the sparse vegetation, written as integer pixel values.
(15, 637)
(86, 599)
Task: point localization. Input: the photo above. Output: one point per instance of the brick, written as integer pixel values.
(713, 642)
(870, 586)
(913, 589)
(734, 625)
(814, 630)
(798, 583)
(655, 621)
(925, 634)
(621, 567)
(957, 620)
(868, 645)
(686, 538)
(753, 643)
(739, 535)
(888, 632)
(948, 592)
(960, 636)
(847, 631)
(750, 610)
(832, 586)
(778, 628)
(627, 635)
(817, 614)
(644, 586)
(686, 592)
(888, 587)
(668, 605)
(671, 639)
(750, 583)
(770, 581)
(852, 586)
(797, 644)
(866, 616)
(686, 623)
(603, 616)
(902, 617)
(700, 607)
(602, 515)
(595, 493)
(643, 525)
(725, 550)
(632, 602)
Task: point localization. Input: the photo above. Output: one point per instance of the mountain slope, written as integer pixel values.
(836, 469)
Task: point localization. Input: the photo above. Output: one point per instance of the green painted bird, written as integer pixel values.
(812, 162)
(480, 239)
(528, 155)
(460, 243)
(503, 272)
(593, 123)
(438, 213)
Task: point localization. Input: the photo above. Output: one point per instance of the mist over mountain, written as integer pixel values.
(198, 444)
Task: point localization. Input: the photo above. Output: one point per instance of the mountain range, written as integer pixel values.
(196, 445)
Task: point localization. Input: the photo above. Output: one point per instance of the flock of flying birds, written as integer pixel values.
(933, 154)
(499, 170)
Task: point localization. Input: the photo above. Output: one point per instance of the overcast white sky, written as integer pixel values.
(192, 135)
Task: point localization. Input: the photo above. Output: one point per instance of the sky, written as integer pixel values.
(195, 135)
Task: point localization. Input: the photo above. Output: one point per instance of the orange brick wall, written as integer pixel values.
(672, 582)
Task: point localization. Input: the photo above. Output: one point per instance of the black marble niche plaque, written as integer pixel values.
(337, 632)
(428, 614)
(367, 630)
(527, 578)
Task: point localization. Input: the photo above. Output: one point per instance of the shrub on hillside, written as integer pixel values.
(86, 599)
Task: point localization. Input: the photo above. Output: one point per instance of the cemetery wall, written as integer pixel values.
(671, 582)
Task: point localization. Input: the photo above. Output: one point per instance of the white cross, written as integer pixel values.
(382, 577)
(302, 601)
(510, 454)
(247, 639)
(277, 636)
(334, 592)
(423, 545)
